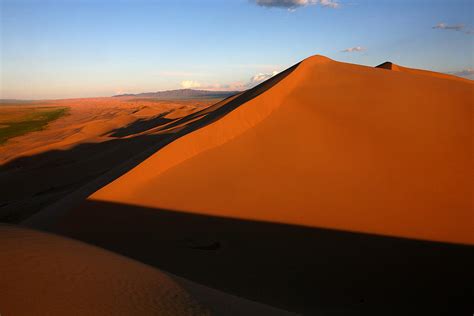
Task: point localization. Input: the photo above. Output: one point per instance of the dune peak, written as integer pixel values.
(318, 59)
(389, 65)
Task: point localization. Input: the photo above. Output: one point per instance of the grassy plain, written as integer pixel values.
(19, 120)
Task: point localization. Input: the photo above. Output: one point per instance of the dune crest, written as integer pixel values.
(389, 65)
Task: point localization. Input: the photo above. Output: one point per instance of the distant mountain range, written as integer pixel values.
(181, 94)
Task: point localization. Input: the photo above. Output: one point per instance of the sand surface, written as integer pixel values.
(333, 145)
(330, 188)
(96, 135)
(44, 274)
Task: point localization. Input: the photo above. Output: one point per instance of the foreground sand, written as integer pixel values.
(330, 188)
(47, 275)
(43, 274)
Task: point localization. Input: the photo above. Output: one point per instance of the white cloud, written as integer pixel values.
(233, 86)
(260, 77)
(293, 4)
(444, 26)
(354, 49)
(329, 4)
(454, 27)
(189, 84)
(464, 72)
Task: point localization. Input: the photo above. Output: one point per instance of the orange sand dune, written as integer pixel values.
(332, 145)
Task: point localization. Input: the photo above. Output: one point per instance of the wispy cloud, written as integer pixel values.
(260, 77)
(236, 85)
(463, 72)
(444, 26)
(294, 4)
(329, 4)
(453, 27)
(354, 49)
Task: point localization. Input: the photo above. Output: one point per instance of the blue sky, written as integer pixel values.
(81, 48)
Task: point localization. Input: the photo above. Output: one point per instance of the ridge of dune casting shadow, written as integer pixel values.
(330, 146)
(199, 141)
(190, 124)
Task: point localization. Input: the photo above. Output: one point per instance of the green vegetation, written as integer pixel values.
(19, 121)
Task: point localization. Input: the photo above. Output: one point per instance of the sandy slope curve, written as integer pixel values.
(43, 274)
(332, 145)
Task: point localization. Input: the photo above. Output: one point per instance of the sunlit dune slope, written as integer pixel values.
(331, 145)
(43, 274)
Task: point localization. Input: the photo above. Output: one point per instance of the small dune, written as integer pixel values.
(391, 66)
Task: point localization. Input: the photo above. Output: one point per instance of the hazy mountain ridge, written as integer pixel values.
(181, 94)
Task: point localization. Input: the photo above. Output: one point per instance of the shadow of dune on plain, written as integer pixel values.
(299, 269)
(32, 183)
(141, 125)
(61, 172)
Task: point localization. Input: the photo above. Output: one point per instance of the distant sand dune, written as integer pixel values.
(391, 66)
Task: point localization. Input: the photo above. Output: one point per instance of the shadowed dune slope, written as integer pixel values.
(44, 274)
(331, 145)
(309, 271)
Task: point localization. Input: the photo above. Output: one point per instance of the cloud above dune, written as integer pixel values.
(354, 49)
(444, 26)
(189, 84)
(453, 27)
(233, 86)
(294, 4)
(464, 72)
(260, 77)
(254, 80)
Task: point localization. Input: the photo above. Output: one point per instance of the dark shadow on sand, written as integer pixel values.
(141, 125)
(299, 269)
